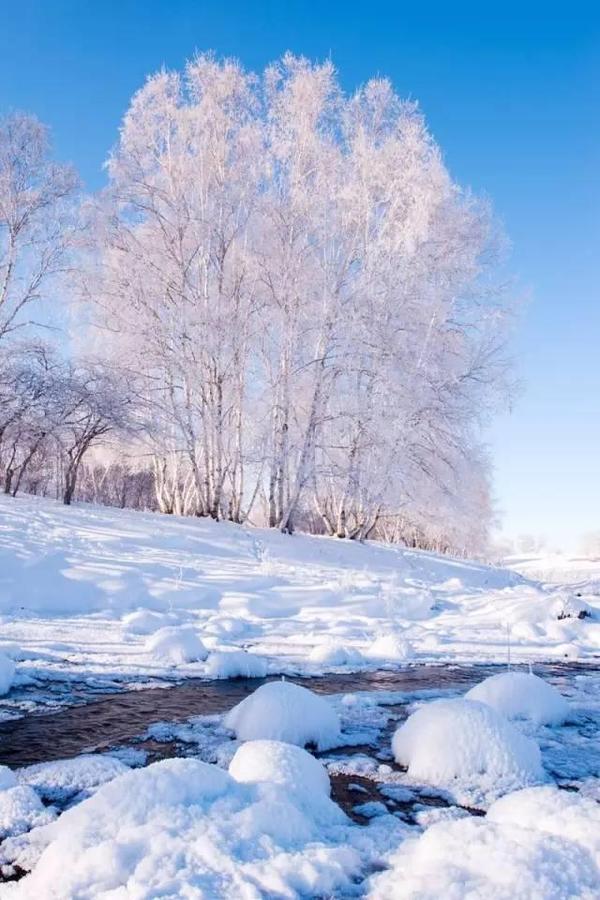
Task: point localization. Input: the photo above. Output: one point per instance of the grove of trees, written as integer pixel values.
(283, 311)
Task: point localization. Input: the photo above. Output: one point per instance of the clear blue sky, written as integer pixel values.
(512, 93)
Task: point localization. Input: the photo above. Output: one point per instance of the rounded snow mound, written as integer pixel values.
(7, 674)
(334, 654)
(466, 741)
(282, 711)
(548, 809)
(521, 695)
(390, 648)
(144, 621)
(235, 664)
(534, 843)
(175, 646)
(282, 764)
(183, 828)
(20, 810)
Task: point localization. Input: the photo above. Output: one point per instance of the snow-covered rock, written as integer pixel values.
(283, 764)
(183, 828)
(282, 711)
(465, 743)
(61, 779)
(390, 648)
(533, 844)
(522, 695)
(235, 664)
(332, 653)
(7, 674)
(175, 646)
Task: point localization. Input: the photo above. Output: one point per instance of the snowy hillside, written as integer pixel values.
(98, 591)
(558, 568)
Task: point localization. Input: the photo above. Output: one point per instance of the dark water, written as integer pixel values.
(119, 718)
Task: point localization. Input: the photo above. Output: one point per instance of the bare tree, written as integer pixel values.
(36, 224)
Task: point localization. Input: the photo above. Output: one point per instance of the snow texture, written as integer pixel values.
(62, 779)
(521, 695)
(465, 744)
(282, 711)
(279, 763)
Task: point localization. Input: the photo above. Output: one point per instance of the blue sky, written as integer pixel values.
(512, 93)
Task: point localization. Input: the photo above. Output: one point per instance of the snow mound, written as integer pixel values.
(20, 810)
(391, 648)
(283, 764)
(282, 711)
(7, 674)
(548, 809)
(521, 695)
(236, 664)
(144, 621)
(334, 654)
(536, 843)
(60, 780)
(183, 828)
(175, 646)
(465, 742)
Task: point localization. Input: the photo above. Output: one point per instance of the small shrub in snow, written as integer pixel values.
(176, 646)
(235, 664)
(520, 695)
(282, 711)
(279, 763)
(7, 674)
(390, 648)
(334, 654)
(570, 606)
(466, 741)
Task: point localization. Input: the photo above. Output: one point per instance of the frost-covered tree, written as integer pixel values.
(36, 220)
(305, 302)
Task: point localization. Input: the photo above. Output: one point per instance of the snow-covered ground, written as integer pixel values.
(98, 593)
(492, 792)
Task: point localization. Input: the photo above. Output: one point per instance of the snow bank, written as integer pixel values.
(174, 646)
(282, 711)
(183, 828)
(335, 654)
(235, 664)
(62, 779)
(283, 764)
(390, 648)
(521, 695)
(536, 843)
(7, 674)
(464, 742)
